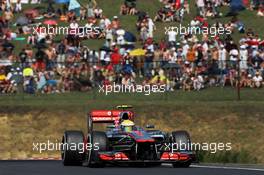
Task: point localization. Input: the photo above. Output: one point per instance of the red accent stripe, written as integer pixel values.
(106, 157)
(141, 140)
(145, 140)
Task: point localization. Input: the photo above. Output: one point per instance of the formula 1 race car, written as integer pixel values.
(131, 145)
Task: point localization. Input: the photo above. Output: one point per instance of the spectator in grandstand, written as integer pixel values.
(160, 16)
(90, 12)
(188, 62)
(243, 57)
(18, 7)
(83, 13)
(257, 80)
(148, 62)
(233, 57)
(130, 5)
(261, 11)
(187, 82)
(198, 82)
(116, 60)
(8, 16)
(151, 27)
(200, 7)
(172, 37)
(98, 12)
(3, 82)
(128, 80)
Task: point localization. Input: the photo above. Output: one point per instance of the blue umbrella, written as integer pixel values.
(237, 5)
(130, 37)
(62, 1)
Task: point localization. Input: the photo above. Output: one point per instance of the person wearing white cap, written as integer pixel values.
(233, 57)
(222, 57)
(120, 37)
(243, 56)
(115, 24)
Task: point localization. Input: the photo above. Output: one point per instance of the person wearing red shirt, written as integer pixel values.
(116, 60)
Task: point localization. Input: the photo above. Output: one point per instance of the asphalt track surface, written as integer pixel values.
(56, 168)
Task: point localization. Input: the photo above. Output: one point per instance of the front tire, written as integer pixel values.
(70, 156)
(99, 142)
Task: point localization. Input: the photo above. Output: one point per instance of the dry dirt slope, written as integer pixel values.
(213, 124)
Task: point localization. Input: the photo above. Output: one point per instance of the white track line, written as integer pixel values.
(226, 167)
(223, 167)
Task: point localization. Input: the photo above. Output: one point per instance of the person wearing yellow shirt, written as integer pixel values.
(3, 82)
(2, 77)
(159, 79)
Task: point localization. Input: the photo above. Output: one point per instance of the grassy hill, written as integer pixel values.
(111, 8)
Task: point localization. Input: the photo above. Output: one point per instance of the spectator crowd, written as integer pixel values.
(181, 62)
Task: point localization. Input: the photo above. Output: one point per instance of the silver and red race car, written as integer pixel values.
(147, 147)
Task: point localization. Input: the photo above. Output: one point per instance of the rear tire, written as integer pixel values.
(72, 157)
(99, 141)
(183, 140)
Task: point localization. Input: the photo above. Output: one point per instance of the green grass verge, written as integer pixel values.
(214, 94)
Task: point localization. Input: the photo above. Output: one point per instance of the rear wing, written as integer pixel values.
(105, 116)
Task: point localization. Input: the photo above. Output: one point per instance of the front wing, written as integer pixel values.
(165, 157)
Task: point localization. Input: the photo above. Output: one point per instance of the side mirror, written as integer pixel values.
(110, 126)
(150, 126)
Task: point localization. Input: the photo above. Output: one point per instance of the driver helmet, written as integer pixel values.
(126, 124)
